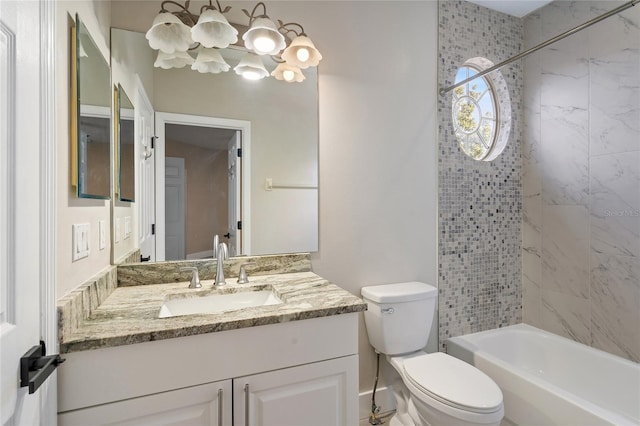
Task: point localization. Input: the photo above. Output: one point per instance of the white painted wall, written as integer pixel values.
(96, 15)
(378, 145)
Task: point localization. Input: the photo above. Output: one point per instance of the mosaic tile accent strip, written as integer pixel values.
(480, 203)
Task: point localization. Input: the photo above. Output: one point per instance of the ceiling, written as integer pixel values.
(517, 8)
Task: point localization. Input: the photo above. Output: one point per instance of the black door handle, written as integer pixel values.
(145, 259)
(35, 367)
(227, 235)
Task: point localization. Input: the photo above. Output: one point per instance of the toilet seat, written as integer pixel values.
(453, 382)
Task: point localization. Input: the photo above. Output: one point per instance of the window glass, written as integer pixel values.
(477, 111)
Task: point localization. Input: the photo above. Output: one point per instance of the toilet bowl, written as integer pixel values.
(431, 389)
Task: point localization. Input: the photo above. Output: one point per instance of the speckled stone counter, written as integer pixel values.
(130, 314)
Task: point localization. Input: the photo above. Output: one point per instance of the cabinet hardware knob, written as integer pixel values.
(246, 404)
(219, 407)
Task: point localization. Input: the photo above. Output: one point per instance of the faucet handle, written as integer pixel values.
(195, 278)
(242, 277)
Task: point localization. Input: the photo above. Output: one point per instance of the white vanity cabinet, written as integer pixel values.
(294, 373)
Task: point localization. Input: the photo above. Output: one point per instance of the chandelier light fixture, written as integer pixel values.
(184, 38)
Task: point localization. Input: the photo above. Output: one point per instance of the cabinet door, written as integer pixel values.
(201, 405)
(319, 394)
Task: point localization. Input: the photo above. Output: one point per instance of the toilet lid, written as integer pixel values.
(453, 382)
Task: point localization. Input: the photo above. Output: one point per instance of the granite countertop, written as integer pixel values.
(130, 314)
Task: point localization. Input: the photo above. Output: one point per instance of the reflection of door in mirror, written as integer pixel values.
(146, 175)
(201, 190)
(94, 150)
(175, 209)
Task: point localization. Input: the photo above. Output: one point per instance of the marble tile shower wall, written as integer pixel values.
(480, 202)
(581, 177)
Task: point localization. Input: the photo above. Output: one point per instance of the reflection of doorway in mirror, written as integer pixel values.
(211, 189)
(174, 189)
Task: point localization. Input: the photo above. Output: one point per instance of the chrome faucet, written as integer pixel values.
(223, 254)
(195, 278)
(242, 277)
(216, 240)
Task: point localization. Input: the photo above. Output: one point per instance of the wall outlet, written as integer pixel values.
(102, 234)
(80, 241)
(127, 227)
(116, 231)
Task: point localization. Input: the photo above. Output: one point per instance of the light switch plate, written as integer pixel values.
(116, 231)
(80, 241)
(102, 231)
(127, 227)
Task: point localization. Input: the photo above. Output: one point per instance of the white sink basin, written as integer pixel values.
(173, 307)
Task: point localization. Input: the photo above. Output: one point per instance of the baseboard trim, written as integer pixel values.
(384, 399)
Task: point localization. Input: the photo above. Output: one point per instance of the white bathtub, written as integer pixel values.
(550, 380)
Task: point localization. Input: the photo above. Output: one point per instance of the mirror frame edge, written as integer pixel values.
(74, 114)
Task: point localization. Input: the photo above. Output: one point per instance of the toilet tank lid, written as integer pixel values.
(399, 292)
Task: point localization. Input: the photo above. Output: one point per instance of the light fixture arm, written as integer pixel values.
(252, 16)
(211, 6)
(285, 30)
(184, 15)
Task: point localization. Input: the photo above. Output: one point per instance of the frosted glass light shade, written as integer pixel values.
(251, 67)
(172, 60)
(210, 61)
(302, 53)
(288, 73)
(169, 34)
(213, 30)
(263, 37)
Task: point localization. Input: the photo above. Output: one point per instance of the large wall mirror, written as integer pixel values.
(279, 192)
(91, 116)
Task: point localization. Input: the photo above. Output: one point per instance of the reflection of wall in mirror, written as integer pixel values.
(98, 177)
(206, 193)
(94, 75)
(127, 165)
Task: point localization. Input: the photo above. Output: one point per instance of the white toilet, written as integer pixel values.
(433, 389)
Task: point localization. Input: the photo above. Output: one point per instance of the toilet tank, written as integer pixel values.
(399, 316)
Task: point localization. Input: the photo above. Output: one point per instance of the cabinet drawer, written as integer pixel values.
(208, 404)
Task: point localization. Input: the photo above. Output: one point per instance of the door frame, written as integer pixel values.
(164, 118)
(48, 208)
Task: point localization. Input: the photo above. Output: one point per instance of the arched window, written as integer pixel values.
(481, 111)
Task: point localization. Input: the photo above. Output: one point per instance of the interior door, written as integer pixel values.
(145, 142)
(174, 184)
(234, 164)
(24, 202)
